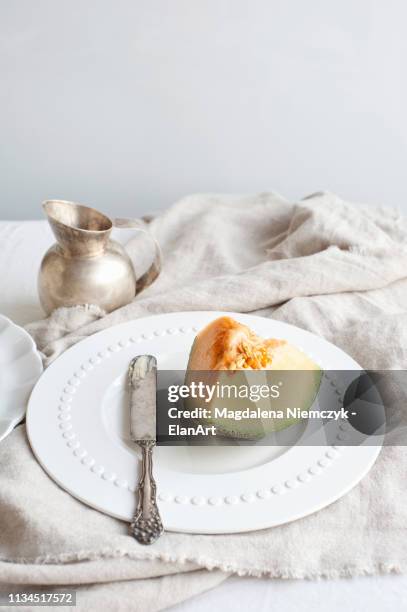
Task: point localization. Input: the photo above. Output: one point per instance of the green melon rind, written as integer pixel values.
(248, 429)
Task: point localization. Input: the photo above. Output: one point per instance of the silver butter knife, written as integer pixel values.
(146, 525)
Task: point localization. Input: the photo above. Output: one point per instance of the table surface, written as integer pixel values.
(23, 244)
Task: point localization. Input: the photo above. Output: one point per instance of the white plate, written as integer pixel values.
(20, 368)
(77, 424)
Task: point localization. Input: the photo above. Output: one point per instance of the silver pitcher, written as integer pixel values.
(85, 266)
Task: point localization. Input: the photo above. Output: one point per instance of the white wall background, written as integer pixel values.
(129, 104)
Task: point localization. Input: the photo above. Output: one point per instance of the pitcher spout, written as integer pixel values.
(80, 231)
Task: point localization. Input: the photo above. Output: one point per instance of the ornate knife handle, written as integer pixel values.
(146, 525)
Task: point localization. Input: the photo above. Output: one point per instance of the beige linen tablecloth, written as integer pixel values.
(323, 264)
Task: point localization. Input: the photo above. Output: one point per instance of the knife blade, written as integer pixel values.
(146, 525)
(143, 394)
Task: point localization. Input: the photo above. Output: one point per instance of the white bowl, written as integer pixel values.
(20, 368)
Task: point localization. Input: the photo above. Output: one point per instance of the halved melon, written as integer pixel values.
(226, 353)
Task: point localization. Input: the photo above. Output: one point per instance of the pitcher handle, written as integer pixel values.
(154, 270)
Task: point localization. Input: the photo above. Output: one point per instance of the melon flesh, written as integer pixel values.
(225, 351)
